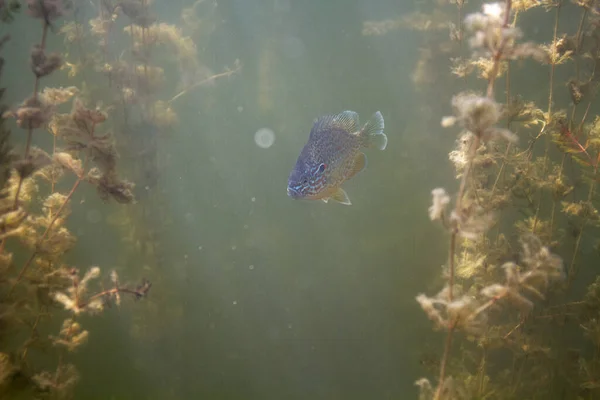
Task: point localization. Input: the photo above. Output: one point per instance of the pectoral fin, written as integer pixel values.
(360, 163)
(341, 197)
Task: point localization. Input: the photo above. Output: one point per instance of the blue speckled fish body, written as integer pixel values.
(333, 154)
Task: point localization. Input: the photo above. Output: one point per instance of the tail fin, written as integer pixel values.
(373, 132)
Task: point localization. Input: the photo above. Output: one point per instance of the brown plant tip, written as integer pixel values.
(110, 186)
(67, 161)
(10, 221)
(42, 64)
(576, 90)
(47, 10)
(83, 114)
(131, 8)
(59, 382)
(142, 289)
(3, 40)
(34, 113)
(34, 161)
(137, 12)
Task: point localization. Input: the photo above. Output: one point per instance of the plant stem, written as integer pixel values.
(30, 129)
(108, 292)
(444, 362)
(202, 82)
(46, 232)
(572, 267)
(33, 330)
(472, 153)
(482, 366)
(550, 100)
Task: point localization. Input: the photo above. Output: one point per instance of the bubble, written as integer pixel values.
(189, 218)
(264, 138)
(293, 47)
(94, 216)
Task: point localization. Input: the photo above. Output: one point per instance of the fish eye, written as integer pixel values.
(305, 181)
(322, 167)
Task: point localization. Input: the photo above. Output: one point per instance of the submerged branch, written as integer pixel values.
(210, 79)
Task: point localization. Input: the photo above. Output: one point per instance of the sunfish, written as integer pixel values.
(333, 155)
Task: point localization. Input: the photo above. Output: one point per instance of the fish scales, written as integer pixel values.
(333, 154)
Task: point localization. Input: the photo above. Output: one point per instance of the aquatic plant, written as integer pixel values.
(544, 195)
(34, 112)
(133, 59)
(6, 154)
(453, 310)
(83, 151)
(8, 9)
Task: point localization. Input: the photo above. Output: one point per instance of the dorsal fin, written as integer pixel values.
(346, 120)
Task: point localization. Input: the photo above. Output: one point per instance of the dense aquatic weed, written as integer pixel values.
(541, 190)
(83, 151)
(34, 113)
(130, 55)
(494, 42)
(494, 38)
(43, 277)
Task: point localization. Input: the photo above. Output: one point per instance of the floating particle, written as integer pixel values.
(94, 216)
(264, 138)
(235, 302)
(199, 247)
(233, 247)
(253, 199)
(240, 108)
(251, 267)
(189, 217)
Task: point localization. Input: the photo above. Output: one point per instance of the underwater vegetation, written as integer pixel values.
(110, 113)
(31, 291)
(519, 307)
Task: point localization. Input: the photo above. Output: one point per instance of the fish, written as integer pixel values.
(333, 155)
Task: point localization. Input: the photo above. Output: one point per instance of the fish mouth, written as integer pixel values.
(293, 193)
